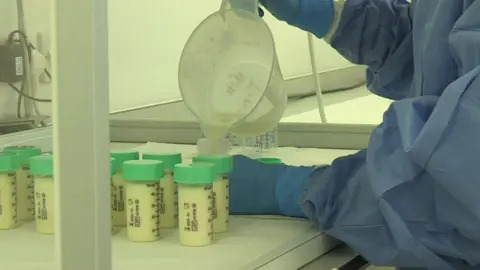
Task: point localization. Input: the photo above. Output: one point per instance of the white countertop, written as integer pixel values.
(250, 243)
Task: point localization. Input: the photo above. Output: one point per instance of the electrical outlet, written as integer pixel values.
(42, 43)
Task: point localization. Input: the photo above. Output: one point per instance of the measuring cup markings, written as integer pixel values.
(236, 77)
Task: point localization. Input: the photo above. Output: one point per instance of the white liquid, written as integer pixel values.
(195, 215)
(26, 198)
(118, 200)
(168, 207)
(142, 212)
(220, 204)
(44, 204)
(241, 77)
(8, 201)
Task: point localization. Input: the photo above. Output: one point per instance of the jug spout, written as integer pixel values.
(247, 5)
(214, 132)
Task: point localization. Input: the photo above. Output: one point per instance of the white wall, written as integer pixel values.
(146, 39)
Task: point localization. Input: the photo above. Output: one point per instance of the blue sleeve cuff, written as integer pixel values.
(316, 17)
(289, 188)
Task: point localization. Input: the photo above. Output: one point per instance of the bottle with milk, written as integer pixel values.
(25, 196)
(9, 164)
(168, 189)
(118, 186)
(142, 197)
(41, 168)
(223, 166)
(195, 189)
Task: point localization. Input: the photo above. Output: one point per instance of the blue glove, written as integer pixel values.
(258, 188)
(314, 16)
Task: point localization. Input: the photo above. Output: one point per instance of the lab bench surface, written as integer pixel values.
(251, 243)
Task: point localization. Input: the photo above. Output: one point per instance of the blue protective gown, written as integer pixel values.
(412, 199)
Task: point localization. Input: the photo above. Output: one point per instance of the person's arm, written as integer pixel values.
(375, 33)
(378, 34)
(412, 198)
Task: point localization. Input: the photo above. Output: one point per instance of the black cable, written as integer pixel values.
(11, 40)
(19, 104)
(21, 94)
(357, 263)
(15, 32)
(27, 96)
(325, 92)
(47, 73)
(32, 47)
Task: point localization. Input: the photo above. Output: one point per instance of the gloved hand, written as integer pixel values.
(314, 16)
(258, 188)
(244, 5)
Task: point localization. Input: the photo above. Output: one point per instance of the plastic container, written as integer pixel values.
(113, 171)
(229, 75)
(265, 143)
(235, 141)
(220, 207)
(207, 146)
(195, 188)
(143, 199)
(26, 199)
(118, 186)
(41, 167)
(9, 164)
(168, 189)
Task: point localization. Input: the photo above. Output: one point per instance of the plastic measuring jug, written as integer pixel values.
(229, 75)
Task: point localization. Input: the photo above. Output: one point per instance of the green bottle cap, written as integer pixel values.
(9, 162)
(169, 159)
(24, 151)
(223, 163)
(142, 170)
(270, 160)
(196, 173)
(113, 166)
(124, 155)
(42, 165)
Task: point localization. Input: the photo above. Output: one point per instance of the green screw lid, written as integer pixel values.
(9, 162)
(124, 155)
(113, 166)
(169, 159)
(270, 160)
(223, 163)
(42, 165)
(142, 170)
(196, 173)
(24, 151)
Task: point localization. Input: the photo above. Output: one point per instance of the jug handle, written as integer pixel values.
(247, 5)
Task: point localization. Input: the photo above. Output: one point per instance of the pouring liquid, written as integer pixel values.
(218, 131)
